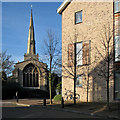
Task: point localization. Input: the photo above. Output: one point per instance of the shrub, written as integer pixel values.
(59, 87)
(57, 98)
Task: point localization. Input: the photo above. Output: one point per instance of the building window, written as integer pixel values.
(117, 48)
(117, 85)
(79, 81)
(79, 53)
(116, 6)
(83, 53)
(78, 17)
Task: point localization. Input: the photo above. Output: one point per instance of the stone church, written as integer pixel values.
(31, 72)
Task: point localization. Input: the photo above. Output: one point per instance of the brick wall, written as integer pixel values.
(95, 15)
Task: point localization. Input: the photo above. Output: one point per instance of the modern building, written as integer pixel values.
(90, 48)
(31, 73)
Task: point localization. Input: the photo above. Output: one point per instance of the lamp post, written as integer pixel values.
(17, 96)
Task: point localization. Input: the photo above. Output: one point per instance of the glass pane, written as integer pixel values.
(78, 16)
(117, 6)
(24, 79)
(30, 80)
(37, 80)
(79, 53)
(79, 81)
(117, 85)
(33, 79)
(28, 83)
(117, 48)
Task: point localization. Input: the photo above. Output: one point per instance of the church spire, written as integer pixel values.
(31, 40)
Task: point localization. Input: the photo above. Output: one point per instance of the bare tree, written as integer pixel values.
(5, 63)
(52, 49)
(105, 53)
(76, 54)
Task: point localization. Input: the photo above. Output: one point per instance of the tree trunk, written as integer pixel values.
(87, 82)
(108, 75)
(50, 81)
(87, 88)
(75, 73)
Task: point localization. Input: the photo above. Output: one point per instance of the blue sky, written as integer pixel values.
(15, 25)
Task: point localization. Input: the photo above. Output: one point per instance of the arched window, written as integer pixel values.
(30, 76)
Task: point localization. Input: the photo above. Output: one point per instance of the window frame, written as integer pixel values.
(89, 41)
(82, 53)
(81, 11)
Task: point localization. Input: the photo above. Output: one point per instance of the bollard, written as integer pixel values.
(17, 96)
(44, 101)
(14, 97)
(62, 102)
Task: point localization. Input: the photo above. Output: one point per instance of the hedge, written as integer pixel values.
(9, 92)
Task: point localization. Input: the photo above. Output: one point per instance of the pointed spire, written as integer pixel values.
(31, 40)
(31, 18)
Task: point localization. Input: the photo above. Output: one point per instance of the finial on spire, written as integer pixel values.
(31, 6)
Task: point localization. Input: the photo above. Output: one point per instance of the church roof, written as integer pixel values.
(31, 60)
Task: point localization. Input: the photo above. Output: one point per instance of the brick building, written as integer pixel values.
(86, 29)
(31, 73)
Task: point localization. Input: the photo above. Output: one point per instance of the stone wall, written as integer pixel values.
(42, 68)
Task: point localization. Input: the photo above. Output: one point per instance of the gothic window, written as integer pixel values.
(30, 76)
